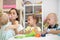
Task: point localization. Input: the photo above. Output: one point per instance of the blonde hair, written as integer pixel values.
(4, 19)
(52, 15)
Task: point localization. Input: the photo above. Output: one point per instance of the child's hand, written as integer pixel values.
(27, 31)
(52, 31)
(21, 32)
(36, 30)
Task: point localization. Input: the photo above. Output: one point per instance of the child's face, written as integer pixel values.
(30, 20)
(12, 15)
(51, 20)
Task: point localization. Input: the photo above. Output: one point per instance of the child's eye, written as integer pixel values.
(13, 13)
(49, 19)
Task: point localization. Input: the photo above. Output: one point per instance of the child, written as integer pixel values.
(13, 16)
(3, 24)
(53, 27)
(32, 24)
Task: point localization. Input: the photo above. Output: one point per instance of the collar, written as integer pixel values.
(54, 26)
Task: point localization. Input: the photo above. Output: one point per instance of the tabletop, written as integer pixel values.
(47, 37)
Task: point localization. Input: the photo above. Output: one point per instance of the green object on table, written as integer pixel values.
(30, 34)
(19, 36)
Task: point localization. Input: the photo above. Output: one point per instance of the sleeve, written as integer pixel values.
(9, 34)
(48, 30)
(20, 27)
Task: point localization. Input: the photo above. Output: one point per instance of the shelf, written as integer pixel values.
(36, 9)
(38, 14)
(28, 9)
(33, 13)
(29, 14)
(33, 5)
(40, 22)
(33, 9)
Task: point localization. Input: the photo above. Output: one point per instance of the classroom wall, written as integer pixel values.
(59, 11)
(48, 7)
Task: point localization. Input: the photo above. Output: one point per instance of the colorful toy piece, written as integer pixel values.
(38, 35)
(31, 34)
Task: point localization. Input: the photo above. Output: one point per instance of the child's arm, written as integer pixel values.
(51, 31)
(19, 29)
(54, 32)
(13, 26)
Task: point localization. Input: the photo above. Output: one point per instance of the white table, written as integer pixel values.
(48, 37)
